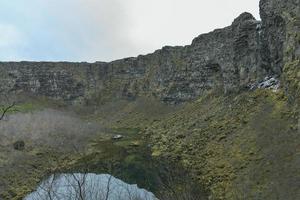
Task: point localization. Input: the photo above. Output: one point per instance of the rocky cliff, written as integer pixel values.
(281, 41)
(227, 59)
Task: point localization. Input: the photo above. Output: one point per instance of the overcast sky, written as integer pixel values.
(104, 30)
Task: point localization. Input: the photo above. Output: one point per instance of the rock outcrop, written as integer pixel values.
(281, 42)
(226, 59)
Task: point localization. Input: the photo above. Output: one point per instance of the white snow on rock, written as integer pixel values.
(117, 137)
(269, 82)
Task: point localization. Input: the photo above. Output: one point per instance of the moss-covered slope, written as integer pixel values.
(240, 147)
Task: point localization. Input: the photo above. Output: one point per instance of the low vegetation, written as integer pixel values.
(235, 145)
(58, 139)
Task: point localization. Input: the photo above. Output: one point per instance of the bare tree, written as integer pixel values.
(5, 103)
(87, 187)
(108, 187)
(6, 109)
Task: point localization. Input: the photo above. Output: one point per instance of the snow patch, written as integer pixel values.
(269, 82)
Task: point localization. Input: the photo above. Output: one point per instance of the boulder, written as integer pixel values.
(117, 137)
(19, 145)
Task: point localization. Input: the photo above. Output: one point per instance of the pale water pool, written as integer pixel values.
(88, 187)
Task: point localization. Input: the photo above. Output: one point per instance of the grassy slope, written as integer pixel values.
(240, 147)
(21, 171)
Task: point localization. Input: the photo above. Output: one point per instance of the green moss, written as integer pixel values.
(23, 179)
(26, 107)
(222, 139)
(121, 158)
(291, 80)
(126, 131)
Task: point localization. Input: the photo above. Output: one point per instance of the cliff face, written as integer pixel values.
(281, 42)
(224, 59)
(227, 59)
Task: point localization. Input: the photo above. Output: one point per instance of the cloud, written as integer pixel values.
(76, 30)
(11, 39)
(90, 30)
(9, 36)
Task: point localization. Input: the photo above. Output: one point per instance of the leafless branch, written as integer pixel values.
(6, 109)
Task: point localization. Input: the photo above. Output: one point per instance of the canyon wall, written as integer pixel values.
(227, 59)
